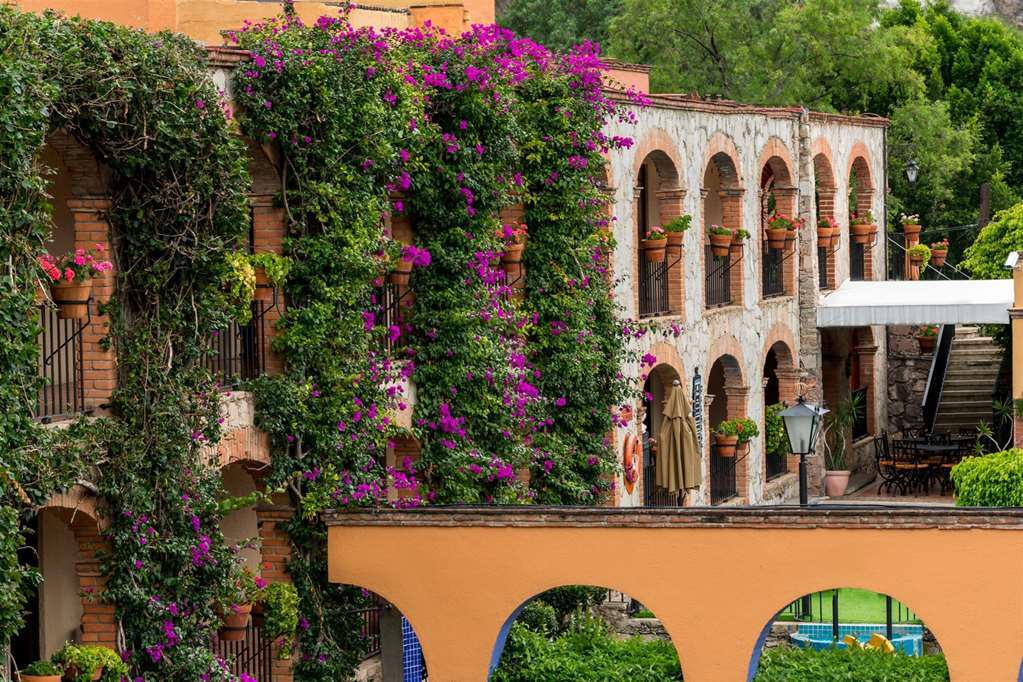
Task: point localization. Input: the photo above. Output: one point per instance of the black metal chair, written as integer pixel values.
(885, 464)
(911, 469)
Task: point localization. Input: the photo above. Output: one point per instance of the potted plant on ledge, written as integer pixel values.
(780, 229)
(70, 278)
(514, 238)
(676, 229)
(827, 230)
(734, 434)
(739, 237)
(919, 255)
(837, 435)
(720, 240)
(85, 663)
(927, 337)
(863, 228)
(939, 252)
(236, 615)
(40, 671)
(654, 245)
(910, 225)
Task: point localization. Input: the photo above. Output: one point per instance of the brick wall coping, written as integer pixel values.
(727, 106)
(852, 517)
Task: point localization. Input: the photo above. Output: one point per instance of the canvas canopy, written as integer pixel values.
(859, 304)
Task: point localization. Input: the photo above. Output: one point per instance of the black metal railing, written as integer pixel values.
(774, 272)
(722, 476)
(857, 262)
(390, 298)
(822, 268)
(239, 352)
(252, 655)
(896, 261)
(654, 496)
(653, 288)
(936, 377)
(818, 607)
(777, 465)
(61, 365)
(859, 425)
(369, 629)
(719, 285)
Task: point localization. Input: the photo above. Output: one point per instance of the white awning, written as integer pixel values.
(859, 304)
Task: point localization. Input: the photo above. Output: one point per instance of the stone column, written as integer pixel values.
(1016, 320)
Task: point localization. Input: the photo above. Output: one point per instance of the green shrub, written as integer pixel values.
(990, 481)
(87, 659)
(777, 440)
(790, 664)
(539, 617)
(571, 598)
(41, 668)
(587, 652)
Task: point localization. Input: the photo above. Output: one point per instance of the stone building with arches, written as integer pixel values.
(745, 323)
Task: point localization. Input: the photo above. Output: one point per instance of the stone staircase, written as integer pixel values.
(973, 368)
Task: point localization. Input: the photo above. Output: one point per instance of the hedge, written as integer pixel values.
(787, 664)
(990, 481)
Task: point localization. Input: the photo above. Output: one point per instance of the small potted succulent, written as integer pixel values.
(676, 229)
(862, 227)
(514, 238)
(733, 434)
(40, 671)
(654, 245)
(87, 662)
(919, 255)
(910, 225)
(926, 337)
(70, 278)
(780, 228)
(827, 231)
(939, 252)
(720, 240)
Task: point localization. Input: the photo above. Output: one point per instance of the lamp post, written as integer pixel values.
(803, 424)
(912, 171)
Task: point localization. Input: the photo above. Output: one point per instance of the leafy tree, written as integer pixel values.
(560, 24)
(985, 257)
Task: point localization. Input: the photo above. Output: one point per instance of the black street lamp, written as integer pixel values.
(803, 425)
(912, 171)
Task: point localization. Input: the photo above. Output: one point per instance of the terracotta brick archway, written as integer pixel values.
(777, 194)
(473, 557)
(722, 200)
(825, 188)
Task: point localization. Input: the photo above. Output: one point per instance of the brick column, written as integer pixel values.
(738, 396)
(91, 227)
(826, 209)
(98, 619)
(731, 211)
(785, 202)
(788, 393)
(268, 230)
(866, 359)
(637, 231)
(276, 552)
(912, 271)
(670, 203)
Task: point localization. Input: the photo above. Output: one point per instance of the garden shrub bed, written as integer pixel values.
(786, 664)
(990, 481)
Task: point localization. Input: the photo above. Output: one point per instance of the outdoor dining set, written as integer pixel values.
(916, 462)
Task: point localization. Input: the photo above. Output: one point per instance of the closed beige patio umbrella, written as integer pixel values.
(678, 456)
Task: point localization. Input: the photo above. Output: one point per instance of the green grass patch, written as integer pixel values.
(854, 606)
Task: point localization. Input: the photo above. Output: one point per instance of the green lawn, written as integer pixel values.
(854, 606)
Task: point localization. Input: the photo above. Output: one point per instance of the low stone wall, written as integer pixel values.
(907, 380)
(622, 625)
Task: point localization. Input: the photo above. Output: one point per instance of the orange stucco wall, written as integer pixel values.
(714, 583)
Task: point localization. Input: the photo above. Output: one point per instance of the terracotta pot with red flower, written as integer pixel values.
(235, 616)
(927, 337)
(863, 228)
(514, 238)
(827, 230)
(654, 245)
(720, 240)
(939, 253)
(733, 435)
(70, 278)
(780, 231)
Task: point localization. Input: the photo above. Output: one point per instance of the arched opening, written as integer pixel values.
(584, 633)
(241, 526)
(780, 390)
(655, 392)
(861, 202)
(726, 403)
(659, 200)
(848, 377)
(722, 207)
(847, 633)
(777, 197)
(824, 198)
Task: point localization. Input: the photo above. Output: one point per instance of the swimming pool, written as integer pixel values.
(908, 639)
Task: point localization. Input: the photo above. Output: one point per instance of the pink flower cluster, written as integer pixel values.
(80, 264)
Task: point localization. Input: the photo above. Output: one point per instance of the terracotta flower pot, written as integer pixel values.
(726, 445)
(654, 250)
(720, 244)
(916, 260)
(938, 257)
(72, 673)
(675, 238)
(72, 298)
(401, 273)
(511, 258)
(863, 234)
(835, 483)
(825, 237)
(22, 677)
(790, 240)
(775, 239)
(235, 623)
(926, 344)
(911, 230)
(258, 617)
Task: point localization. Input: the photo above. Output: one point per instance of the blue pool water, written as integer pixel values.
(908, 639)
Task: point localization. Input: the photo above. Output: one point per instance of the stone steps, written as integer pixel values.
(973, 367)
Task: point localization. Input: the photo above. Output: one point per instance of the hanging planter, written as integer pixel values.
(910, 226)
(939, 252)
(776, 238)
(781, 231)
(70, 279)
(725, 445)
(72, 298)
(511, 258)
(919, 255)
(235, 623)
(720, 240)
(790, 240)
(676, 230)
(863, 228)
(654, 245)
(926, 338)
(402, 273)
(733, 435)
(739, 238)
(827, 232)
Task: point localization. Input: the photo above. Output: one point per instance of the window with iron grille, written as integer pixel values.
(777, 465)
(822, 268)
(719, 285)
(857, 262)
(722, 477)
(774, 268)
(61, 365)
(238, 352)
(653, 288)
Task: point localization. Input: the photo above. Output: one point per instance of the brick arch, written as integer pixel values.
(859, 159)
(776, 183)
(780, 335)
(668, 354)
(723, 205)
(262, 167)
(247, 444)
(89, 176)
(727, 347)
(722, 152)
(777, 157)
(659, 147)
